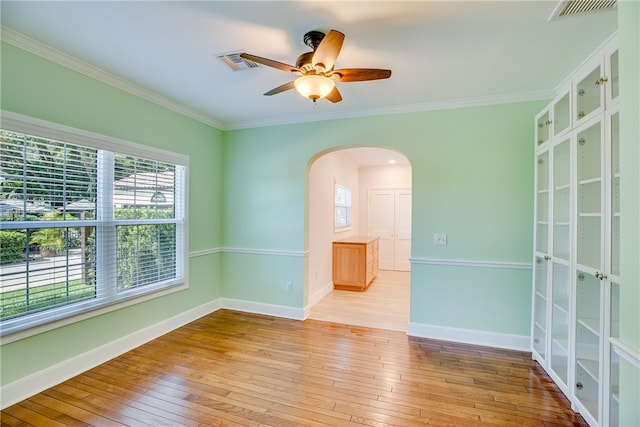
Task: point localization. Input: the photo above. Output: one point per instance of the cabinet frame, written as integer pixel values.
(596, 296)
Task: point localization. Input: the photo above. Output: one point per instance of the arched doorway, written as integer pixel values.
(370, 174)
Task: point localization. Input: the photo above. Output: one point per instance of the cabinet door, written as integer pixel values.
(561, 121)
(588, 343)
(560, 296)
(613, 255)
(589, 93)
(542, 203)
(613, 76)
(561, 178)
(614, 360)
(543, 127)
(539, 332)
(349, 266)
(589, 195)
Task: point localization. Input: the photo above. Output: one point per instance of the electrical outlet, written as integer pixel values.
(289, 286)
(440, 239)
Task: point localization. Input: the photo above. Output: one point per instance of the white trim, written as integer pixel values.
(320, 293)
(276, 252)
(284, 311)
(466, 263)
(626, 352)
(543, 95)
(205, 252)
(17, 122)
(469, 336)
(38, 381)
(47, 52)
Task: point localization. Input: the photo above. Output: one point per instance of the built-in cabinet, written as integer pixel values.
(355, 262)
(577, 239)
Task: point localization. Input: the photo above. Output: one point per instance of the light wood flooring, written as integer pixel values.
(384, 304)
(239, 369)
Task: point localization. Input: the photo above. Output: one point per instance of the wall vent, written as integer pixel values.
(574, 7)
(234, 61)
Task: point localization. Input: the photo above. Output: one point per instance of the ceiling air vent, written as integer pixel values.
(236, 62)
(574, 7)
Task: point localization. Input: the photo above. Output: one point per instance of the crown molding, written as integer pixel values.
(543, 95)
(47, 52)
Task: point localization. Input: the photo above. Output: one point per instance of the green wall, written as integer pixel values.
(473, 182)
(39, 88)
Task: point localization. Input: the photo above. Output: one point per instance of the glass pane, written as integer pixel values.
(46, 268)
(40, 177)
(614, 391)
(561, 114)
(588, 94)
(588, 336)
(561, 200)
(542, 128)
(542, 203)
(615, 195)
(146, 254)
(615, 76)
(589, 196)
(143, 189)
(560, 321)
(615, 310)
(540, 306)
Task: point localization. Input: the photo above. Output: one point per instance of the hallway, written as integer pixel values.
(384, 305)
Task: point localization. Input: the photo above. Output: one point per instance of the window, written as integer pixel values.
(342, 206)
(86, 222)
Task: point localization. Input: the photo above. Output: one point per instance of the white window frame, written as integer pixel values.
(346, 206)
(31, 324)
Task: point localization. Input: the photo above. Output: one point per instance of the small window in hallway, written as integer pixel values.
(342, 215)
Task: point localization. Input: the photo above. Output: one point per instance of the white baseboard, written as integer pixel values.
(261, 308)
(470, 336)
(320, 293)
(38, 381)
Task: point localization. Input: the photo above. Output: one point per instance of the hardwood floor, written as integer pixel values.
(239, 369)
(384, 305)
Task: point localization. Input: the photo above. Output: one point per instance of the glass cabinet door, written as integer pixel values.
(543, 128)
(562, 114)
(614, 255)
(613, 76)
(589, 196)
(540, 306)
(589, 94)
(587, 340)
(542, 203)
(562, 200)
(614, 361)
(560, 293)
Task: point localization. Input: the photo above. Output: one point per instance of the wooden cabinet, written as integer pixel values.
(355, 262)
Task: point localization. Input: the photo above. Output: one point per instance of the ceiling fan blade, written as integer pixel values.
(334, 96)
(328, 50)
(360, 74)
(281, 88)
(271, 63)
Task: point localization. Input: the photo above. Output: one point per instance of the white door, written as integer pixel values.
(402, 247)
(390, 220)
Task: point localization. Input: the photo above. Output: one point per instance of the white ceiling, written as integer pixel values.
(442, 53)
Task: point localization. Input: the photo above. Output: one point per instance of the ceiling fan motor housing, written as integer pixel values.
(313, 39)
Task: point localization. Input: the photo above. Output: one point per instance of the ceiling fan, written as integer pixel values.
(317, 77)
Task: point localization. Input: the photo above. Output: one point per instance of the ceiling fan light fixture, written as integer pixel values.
(314, 86)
